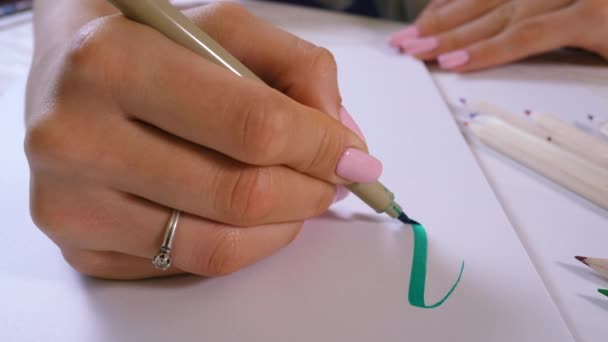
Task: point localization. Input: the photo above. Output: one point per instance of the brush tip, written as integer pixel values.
(603, 291)
(405, 219)
(581, 259)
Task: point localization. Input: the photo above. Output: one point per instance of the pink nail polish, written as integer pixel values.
(341, 193)
(348, 121)
(418, 46)
(403, 35)
(454, 59)
(359, 167)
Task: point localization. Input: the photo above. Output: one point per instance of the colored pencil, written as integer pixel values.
(551, 129)
(598, 265)
(565, 168)
(603, 291)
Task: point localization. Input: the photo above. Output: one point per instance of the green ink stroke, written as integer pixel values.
(418, 275)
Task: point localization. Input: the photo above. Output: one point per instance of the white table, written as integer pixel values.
(553, 223)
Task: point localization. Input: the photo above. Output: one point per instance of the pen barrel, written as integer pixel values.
(166, 19)
(377, 196)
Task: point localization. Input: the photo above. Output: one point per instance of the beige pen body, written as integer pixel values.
(165, 18)
(575, 173)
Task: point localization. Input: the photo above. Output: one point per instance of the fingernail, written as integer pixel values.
(417, 46)
(341, 193)
(359, 167)
(348, 121)
(454, 59)
(403, 35)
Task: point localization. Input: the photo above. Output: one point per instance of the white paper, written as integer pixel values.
(553, 223)
(345, 278)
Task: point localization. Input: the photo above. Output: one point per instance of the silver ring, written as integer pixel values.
(162, 260)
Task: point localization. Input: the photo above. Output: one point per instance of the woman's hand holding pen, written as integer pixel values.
(128, 124)
(466, 35)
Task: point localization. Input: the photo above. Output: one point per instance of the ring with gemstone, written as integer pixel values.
(162, 260)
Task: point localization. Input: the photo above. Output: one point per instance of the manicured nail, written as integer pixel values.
(454, 59)
(341, 193)
(418, 46)
(359, 167)
(403, 35)
(348, 121)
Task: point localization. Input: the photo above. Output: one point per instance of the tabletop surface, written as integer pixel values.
(552, 223)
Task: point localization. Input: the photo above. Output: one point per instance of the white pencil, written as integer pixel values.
(574, 139)
(597, 264)
(565, 168)
(488, 109)
(548, 127)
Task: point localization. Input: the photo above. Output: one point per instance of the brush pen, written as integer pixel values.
(166, 19)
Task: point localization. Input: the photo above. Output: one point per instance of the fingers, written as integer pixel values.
(203, 103)
(145, 162)
(125, 225)
(477, 30)
(205, 183)
(295, 67)
(454, 14)
(442, 17)
(502, 33)
(526, 38)
(594, 16)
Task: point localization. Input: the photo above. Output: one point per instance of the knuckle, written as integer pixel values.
(88, 49)
(44, 213)
(329, 147)
(322, 61)
(88, 263)
(529, 32)
(507, 12)
(47, 145)
(225, 257)
(41, 141)
(250, 200)
(227, 10)
(264, 131)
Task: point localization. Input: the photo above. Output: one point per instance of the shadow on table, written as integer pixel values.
(601, 303)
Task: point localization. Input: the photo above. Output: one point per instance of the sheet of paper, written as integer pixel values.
(345, 278)
(554, 224)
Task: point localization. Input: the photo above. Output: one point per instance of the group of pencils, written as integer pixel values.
(598, 265)
(569, 156)
(576, 159)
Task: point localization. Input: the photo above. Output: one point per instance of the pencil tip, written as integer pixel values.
(603, 291)
(581, 259)
(405, 219)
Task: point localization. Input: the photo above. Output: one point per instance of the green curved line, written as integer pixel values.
(418, 274)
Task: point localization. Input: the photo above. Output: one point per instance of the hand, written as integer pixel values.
(466, 35)
(128, 125)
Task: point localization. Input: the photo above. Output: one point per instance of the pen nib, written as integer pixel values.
(405, 219)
